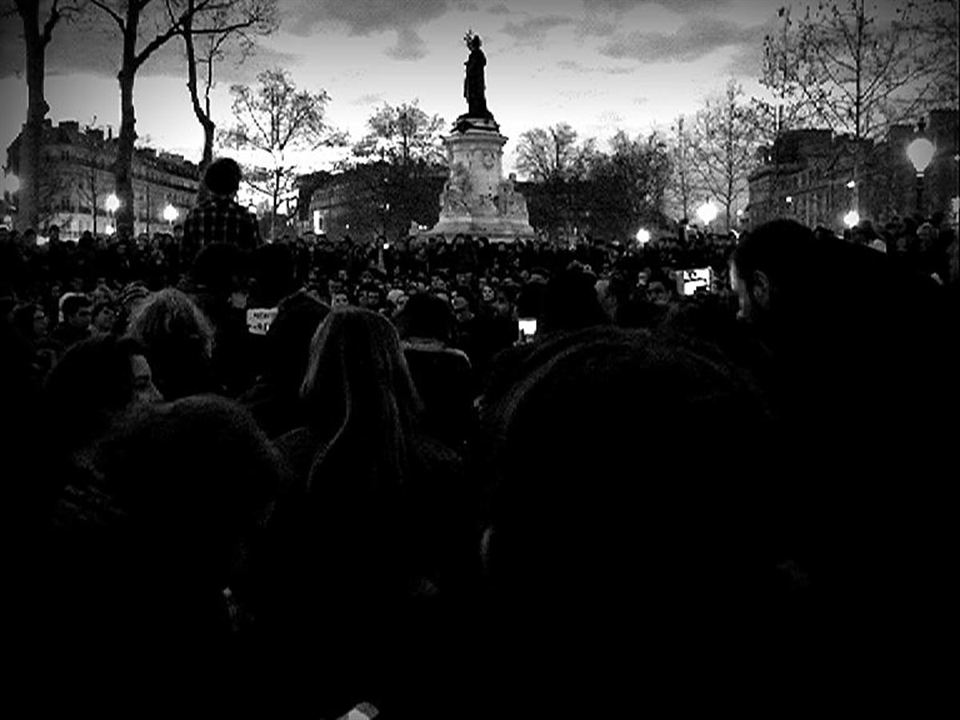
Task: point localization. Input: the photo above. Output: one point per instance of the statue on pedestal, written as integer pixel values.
(474, 88)
(473, 84)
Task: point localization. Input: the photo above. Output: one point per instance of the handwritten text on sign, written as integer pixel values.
(260, 319)
(689, 281)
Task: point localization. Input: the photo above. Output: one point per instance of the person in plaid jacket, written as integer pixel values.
(218, 217)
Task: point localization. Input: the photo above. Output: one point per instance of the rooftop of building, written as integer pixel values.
(70, 132)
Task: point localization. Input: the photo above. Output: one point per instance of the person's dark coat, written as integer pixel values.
(275, 398)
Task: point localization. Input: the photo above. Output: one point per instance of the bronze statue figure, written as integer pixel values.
(473, 84)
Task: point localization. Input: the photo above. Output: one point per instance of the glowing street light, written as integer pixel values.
(707, 212)
(852, 184)
(920, 153)
(851, 219)
(112, 203)
(11, 183)
(170, 214)
(643, 236)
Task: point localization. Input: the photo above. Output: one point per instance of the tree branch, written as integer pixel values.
(121, 23)
(50, 24)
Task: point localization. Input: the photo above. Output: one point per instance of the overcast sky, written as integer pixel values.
(600, 65)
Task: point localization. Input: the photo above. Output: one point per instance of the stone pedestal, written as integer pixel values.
(476, 199)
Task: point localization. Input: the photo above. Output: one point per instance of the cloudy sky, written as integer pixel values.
(600, 65)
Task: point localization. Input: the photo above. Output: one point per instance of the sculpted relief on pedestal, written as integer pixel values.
(455, 198)
(510, 203)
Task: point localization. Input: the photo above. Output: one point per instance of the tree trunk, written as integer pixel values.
(31, 139)
(276, 205)
(203, 115)
(93, 197)
(123, 170)
(209, 128)
(728, 206)
(123, 175)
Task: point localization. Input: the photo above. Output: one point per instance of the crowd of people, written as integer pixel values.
(337, 475)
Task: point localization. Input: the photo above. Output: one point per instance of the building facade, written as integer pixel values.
(77, 179)
(371, 201)
(817, 178)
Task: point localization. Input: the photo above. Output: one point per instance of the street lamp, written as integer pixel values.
(707, 212)
(643, 236)
(170, 214)
(920, 152)
(111, 203)
(851, 219)
(11, 183)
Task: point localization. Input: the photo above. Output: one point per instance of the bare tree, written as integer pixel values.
(626, 187)
(167, 18)
(723, 147)
(782, 113)
(229, 25)
(554, 158)
(402, 135)
(935, 23)
(397, 159)
(36, 39)
(275, 120)
(550, 154)
(845, 67)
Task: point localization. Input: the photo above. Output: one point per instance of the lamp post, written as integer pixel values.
(112, 203)
(170, 214)
(11, 184)
(707, 213)
(920, 152)
(643, 236)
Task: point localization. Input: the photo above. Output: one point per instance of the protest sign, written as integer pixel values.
(260, 319)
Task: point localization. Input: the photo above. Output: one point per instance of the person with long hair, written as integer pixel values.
(178, 338)
(376, 523)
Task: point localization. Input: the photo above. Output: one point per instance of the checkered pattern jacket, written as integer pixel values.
(219, 219)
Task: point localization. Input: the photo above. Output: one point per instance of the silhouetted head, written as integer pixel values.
(223, 177)
(96, 381)
(356, 357)
(289, 337)
(770, 268)
(426, 316)
(358, 391)
(178, 339)
(570, 302)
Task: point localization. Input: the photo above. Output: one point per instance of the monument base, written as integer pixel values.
(465, 122)
(476, 200)
(494, 229)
